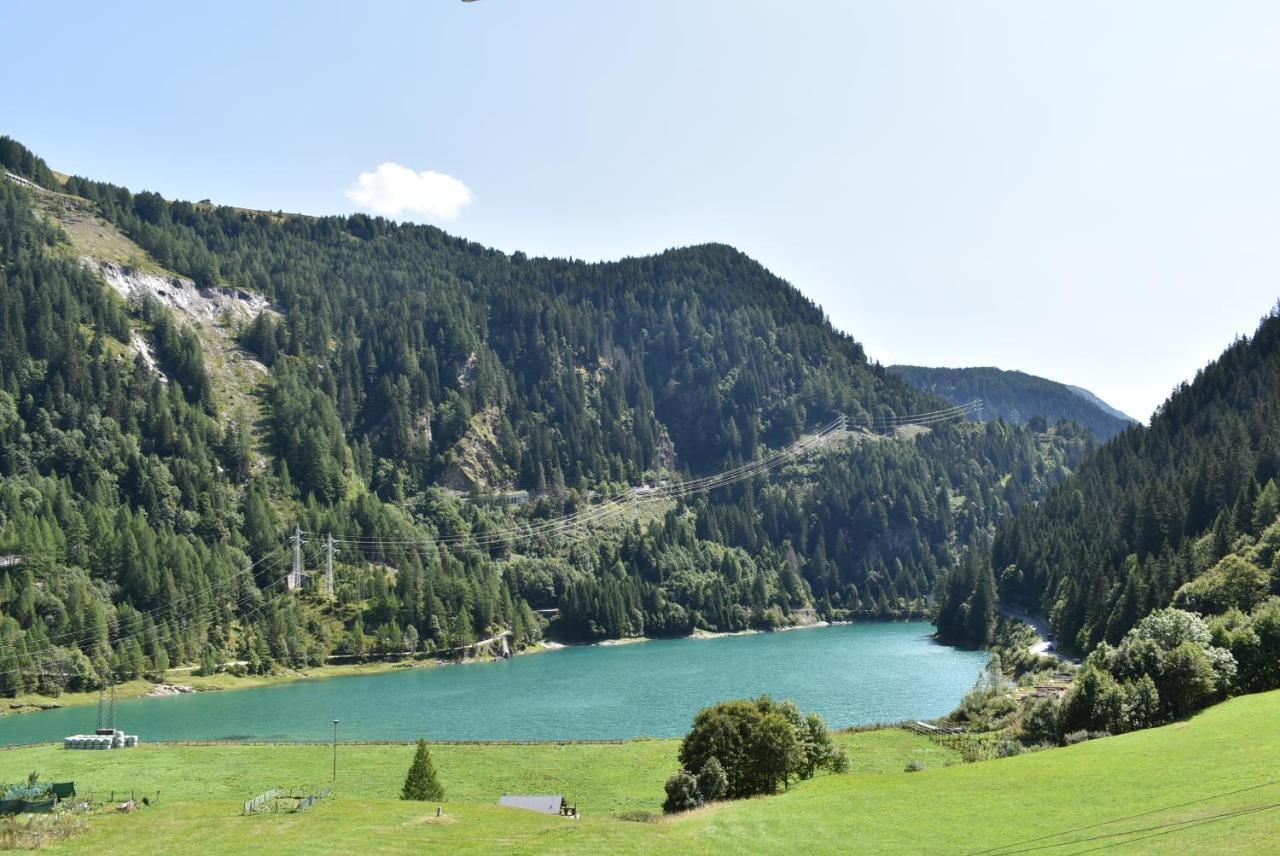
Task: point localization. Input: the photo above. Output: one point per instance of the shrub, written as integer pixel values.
(1095, 702)
(1040, 721)
(713, 783)
(682, 793)
(1188, 679)
(1008, 748)
(915, 765)
(1141, 703)
(1075, 737)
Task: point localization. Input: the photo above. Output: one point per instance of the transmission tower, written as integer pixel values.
(295, 575)
(107, 710)
(328, 566)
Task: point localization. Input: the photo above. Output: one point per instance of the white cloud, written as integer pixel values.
(393, 190)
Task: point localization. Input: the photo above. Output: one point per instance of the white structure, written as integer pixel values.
(105, 738)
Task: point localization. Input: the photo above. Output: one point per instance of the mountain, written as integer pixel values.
(1183, 512)
(182, 384)
(1004, 392)
(1098, 402)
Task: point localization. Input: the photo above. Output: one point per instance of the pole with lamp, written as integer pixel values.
(335, 750)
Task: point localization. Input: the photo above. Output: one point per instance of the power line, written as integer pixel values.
(570, 523)
(161, 633)
(157, 612)
(170, 619)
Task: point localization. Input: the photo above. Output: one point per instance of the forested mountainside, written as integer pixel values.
(1037, 400)
(1182, 513)
(156, 449)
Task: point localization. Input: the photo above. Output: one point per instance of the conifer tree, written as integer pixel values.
(422, 783)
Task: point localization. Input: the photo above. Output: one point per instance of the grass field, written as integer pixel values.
(1211, 784)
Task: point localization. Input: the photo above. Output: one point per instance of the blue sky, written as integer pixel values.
(1088, 191)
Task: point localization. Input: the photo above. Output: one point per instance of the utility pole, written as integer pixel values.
(328, 566)
(335, 749)
(295, 576)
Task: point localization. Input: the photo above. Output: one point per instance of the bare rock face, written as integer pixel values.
(171, 690)
(205, 306)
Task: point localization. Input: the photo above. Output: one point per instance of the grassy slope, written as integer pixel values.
(1164, 790)
(236, 381)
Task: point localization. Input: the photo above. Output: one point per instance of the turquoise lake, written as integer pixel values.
(852, 675)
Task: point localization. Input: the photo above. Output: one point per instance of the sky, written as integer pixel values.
(1087, 191)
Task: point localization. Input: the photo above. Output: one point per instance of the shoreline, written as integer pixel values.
(183, 677)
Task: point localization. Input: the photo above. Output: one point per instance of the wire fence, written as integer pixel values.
(286, 800)
(115, 797)
(408, 741)
(972, 747)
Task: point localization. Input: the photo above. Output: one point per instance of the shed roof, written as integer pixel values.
(545, 803)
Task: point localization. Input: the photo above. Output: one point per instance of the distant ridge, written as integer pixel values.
(1089, 396)
(1007, 391)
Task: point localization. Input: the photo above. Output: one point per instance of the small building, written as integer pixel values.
(543, 804)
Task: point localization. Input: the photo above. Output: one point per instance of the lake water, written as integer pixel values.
(852, 675)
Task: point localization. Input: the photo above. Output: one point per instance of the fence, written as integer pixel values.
(252, 805)
(972, 747)
(270, 800)
(117, 797)
(311, 799)
(43, 806)
(404, 742)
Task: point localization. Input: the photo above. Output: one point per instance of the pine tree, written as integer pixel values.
(421, 783)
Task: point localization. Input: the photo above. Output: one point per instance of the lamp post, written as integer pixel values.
(335, 750)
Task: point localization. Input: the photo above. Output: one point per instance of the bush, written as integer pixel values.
(1008, 748)
(1075, 737)
(1040, 721)
(761, 744)
(713, 783)
(914, 766)
(682, 793)
(1095, 702)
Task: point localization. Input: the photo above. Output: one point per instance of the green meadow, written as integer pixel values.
(1209, 784)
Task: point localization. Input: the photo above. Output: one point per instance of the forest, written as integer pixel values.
(1036, 400)
(411, 381)
(1184, 512)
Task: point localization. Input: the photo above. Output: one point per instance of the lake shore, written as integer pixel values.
(177, 680)
(854, 675)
